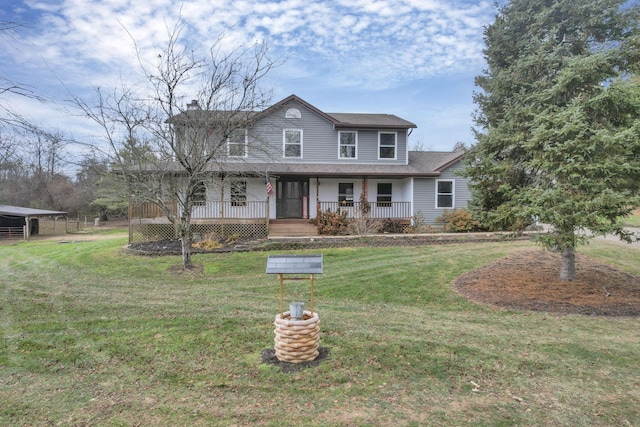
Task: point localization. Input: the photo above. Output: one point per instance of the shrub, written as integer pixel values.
(207, 245)
(392, 227)
(232, 238)
(418, 225)
(363, 225)
(459, 220)
(333, 223)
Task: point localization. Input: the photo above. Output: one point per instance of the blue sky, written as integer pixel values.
(413, 58)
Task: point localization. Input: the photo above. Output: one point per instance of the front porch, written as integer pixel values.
(249, 219)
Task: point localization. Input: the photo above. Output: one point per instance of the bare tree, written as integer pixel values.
(7, 85)
(164, 148)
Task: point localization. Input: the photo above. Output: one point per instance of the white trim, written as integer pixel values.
(199, 198)
(384, 194)
(284, 143)
(355, 147)
(242, 196)
(353, 189)
(395, 146)
(453, 193)
(293, 113)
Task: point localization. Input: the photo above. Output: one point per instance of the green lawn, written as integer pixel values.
(632, 220)
(91, 336)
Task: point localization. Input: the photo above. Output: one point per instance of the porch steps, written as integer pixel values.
(291, 228)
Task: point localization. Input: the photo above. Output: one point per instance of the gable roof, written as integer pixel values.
(287, 100)
(345, 120)
(339, 120)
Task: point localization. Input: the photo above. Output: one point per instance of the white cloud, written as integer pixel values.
(368, 45)
(435, 36)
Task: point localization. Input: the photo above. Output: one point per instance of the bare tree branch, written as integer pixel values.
(165, 148)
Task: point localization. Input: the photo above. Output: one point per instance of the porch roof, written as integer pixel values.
(421, 164)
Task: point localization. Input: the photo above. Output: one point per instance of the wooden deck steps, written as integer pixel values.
(291, 228)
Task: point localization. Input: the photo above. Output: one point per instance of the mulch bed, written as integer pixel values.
(173, 247)
(268, 357)
(529, 280)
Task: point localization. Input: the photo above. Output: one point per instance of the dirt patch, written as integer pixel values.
(268, 357)
(196, 270)
(528, 280)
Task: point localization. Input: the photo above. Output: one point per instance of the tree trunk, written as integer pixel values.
(568, 264)
(185, 225)
(186, 253)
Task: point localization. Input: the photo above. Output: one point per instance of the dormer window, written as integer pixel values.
(292, 113)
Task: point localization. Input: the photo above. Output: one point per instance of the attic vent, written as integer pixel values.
(292, 113)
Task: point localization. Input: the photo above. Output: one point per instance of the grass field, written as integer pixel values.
(91, 336)
(632, 220)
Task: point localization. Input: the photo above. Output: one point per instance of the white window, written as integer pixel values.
(387, 145)
(345, 193)
(200, 194)
(238, 193)
(292, 113)
(237, 143)
(444, 193)
(348, 143)
(384, 195)
(292, 143)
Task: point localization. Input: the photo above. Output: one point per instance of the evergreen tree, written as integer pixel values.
(558, 120)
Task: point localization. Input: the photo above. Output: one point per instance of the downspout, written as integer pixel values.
(409, 132)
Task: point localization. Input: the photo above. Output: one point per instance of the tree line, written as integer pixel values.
(44, 169)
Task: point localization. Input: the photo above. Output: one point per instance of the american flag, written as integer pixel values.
(269, 186)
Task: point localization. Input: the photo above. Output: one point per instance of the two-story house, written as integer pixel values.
(293, 160)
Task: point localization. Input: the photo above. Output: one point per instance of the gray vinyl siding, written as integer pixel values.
(424, 194)
(320, 140)
(266, 135)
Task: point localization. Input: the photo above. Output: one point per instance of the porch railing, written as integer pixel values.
(376, 210)
(231, 210)
(214, 209)
(254, 210)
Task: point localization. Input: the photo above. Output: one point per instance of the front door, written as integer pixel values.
(290, 196)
